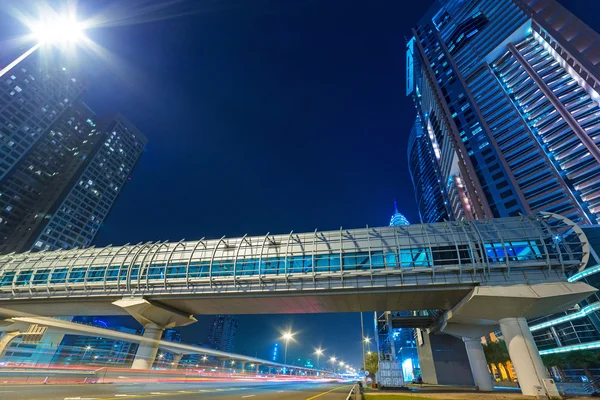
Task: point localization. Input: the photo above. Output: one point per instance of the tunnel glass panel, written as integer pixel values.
(157, 271)
(377, 259)
(300, 264)
(41, 276)
(174, 271)
(356, 261)
(391, 259)
(23, 278)
(273, 266)
(113, 273)
(96, 274)
(77, 274)
(247, 267)
(199, 269)
(222, 268)
(327, 262)
(59, 275)
(7, 278)
(135, 270)
(415, 257)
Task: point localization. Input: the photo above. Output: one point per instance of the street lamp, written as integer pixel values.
(332, 360)
(87, 348)
(287, 336)
(58, 29)
(319, 353)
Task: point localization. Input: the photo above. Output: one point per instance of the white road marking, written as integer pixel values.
(250, 395)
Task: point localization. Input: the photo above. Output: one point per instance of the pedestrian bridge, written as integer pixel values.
(415, 267)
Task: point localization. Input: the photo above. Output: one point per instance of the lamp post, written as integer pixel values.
(87, 348)
(287, 336)
(319, 353)
(55, 30)
(332, 360)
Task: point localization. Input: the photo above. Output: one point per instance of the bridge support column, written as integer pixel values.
(525, 357)
(146, 352)
(6, 339)
(176, 359)
(243, 367)
(478, 364)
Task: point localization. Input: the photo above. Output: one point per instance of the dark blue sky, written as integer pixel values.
(263, 116)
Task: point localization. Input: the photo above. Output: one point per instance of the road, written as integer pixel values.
(180, 391)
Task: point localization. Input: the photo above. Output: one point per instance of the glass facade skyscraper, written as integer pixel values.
(61, 166)
(508, 111)
(61, 170)
(221, 334)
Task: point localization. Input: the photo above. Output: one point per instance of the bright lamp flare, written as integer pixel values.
(59, 30)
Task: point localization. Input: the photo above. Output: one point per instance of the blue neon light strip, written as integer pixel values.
(575, 347)
(580, 314)
(584, 273)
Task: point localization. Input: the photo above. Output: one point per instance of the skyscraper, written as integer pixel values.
(506, 93)
(62, 167)
(430, 193)
(221, 334)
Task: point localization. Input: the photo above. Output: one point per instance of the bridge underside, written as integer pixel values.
(319, 301)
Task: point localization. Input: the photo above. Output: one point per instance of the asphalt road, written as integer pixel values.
(179, 391)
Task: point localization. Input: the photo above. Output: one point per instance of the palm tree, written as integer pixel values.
(557, 361)
(582, 359)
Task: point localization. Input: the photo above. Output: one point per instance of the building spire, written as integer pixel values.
(398, 219)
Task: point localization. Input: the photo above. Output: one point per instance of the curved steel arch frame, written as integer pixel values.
(438, 238)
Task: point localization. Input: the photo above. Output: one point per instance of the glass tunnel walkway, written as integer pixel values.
(464, 247)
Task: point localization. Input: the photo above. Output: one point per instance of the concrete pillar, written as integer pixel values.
(524, 355)
(257, 368)
(6, 339)
(146, 352)
(243, 367)
(176, 359)
(224, 363)
(478, 364)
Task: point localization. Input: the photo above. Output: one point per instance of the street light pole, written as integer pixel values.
(287, 336)
(319, 352)
(362, 342)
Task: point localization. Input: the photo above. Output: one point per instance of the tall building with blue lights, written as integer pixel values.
(430, 194)
(508, 120)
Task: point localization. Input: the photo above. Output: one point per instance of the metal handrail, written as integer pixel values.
(354, 392)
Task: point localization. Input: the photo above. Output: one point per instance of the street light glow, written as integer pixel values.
(288, 335)
(319, 352)
(332, 359)
(367, 339)
(58, 30)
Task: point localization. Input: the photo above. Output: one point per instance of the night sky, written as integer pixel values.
(262, 116)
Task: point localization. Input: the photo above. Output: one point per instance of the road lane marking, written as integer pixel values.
(250, 395)
(329, 391)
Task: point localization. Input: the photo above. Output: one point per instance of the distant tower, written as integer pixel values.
(221, 335)
(398, 219)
